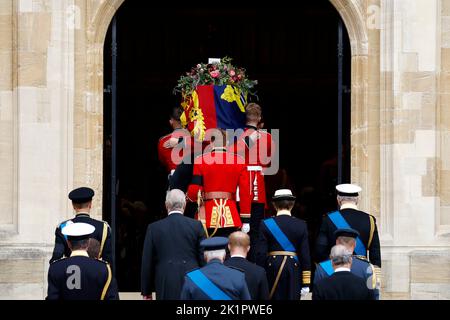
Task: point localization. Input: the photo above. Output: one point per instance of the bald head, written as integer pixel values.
(239, 243)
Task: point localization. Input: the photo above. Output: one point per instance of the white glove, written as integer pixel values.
(304, 291)
(245, 227)
(171, 143)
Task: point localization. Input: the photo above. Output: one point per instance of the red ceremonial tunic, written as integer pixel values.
(213, 174)
(171, 157)
(257, 154)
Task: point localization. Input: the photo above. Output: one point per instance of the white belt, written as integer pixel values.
(254, 168)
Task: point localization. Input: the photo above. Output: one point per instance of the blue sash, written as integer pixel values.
(340, 223)
(207, 286)
(280, 236)
(61, 226)
(327, 267)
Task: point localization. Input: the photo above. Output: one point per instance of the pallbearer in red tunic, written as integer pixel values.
(256, 146)
(217, 175)
(173, 147)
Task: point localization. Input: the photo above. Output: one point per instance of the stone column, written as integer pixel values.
(415, 254)
(36, 149)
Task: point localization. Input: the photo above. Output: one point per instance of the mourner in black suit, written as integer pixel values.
(80, 277)
(215, 281)
(342, 284)
(255, 276)
(351, 217)
(283, 250)
(361, 267)
(171, 248)
(82, 203)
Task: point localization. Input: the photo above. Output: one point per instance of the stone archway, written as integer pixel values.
(88, 118)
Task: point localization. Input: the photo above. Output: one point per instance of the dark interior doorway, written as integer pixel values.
(292, 52)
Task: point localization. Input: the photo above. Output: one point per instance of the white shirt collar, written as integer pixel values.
(283, 213)
(238, 256)
(82, 253)
(175, 211)
(340, 269)
(349, 206)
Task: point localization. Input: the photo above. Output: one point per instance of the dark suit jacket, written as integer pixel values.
(171, 248)
(358, 220)
(62, 248)
(342, 285)
(255, 276)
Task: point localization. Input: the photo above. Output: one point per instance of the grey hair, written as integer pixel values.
(340, 255)
(175, 200)
(215, 254)
(341, 199)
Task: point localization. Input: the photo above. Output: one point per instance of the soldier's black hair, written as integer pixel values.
(176, 113)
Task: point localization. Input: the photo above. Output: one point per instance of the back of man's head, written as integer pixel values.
(77, 244)
(284, 204)
(347, 199)
(215, 254)
(176, 114)
(340, 256)
(175, 200)
(239, 243)
(85, 206)
(348, 242)
(253, 112)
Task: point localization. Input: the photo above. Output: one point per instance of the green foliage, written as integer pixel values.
(223, 73)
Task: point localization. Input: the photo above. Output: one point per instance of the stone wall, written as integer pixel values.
(36, 123)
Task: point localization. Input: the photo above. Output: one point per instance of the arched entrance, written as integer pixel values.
(292, 54)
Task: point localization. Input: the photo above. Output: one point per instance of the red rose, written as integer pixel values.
(232, 73)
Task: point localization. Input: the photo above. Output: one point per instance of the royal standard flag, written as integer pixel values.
(213, 106)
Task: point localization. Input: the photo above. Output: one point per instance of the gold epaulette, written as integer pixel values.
(363, 258)
(101, 260)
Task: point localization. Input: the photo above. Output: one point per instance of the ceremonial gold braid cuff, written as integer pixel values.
(306, 277)
(377, 271)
